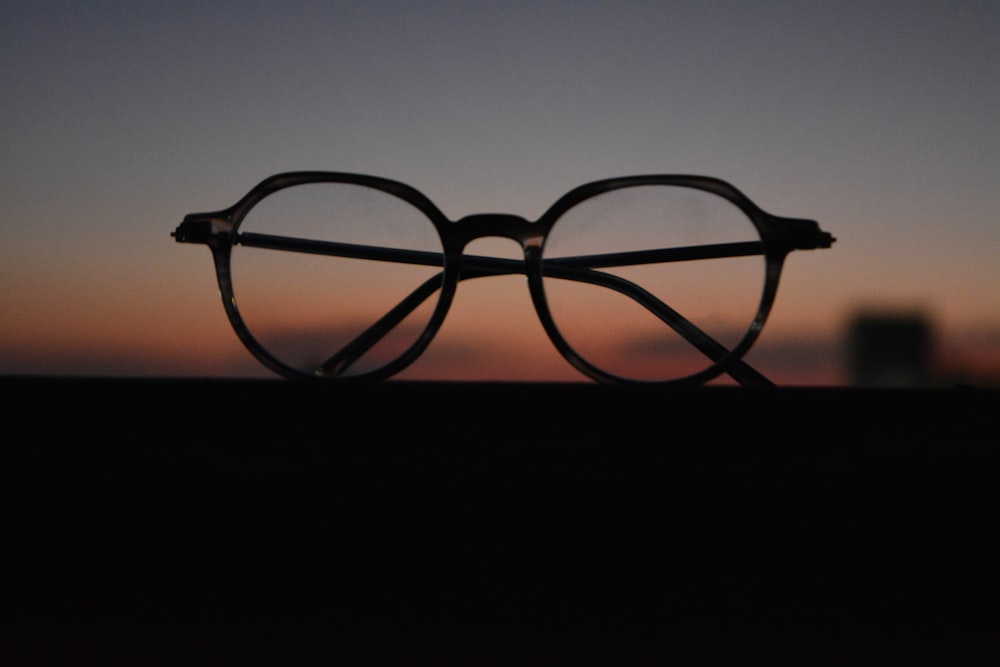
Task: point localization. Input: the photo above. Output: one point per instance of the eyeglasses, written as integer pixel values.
(655, 278)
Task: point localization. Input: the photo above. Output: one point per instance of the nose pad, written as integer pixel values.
(496, 247)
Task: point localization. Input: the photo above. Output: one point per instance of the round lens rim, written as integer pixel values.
(773, 253)
(235, 216)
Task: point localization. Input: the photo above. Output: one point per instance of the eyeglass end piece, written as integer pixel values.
(199, 229)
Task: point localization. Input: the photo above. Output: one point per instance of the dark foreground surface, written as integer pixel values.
(209, 522)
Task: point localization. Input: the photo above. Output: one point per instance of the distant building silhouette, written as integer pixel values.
(890, 350)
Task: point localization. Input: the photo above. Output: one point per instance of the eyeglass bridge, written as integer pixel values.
(504, 225)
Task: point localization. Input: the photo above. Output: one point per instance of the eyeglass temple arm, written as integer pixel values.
(364, 341)
(570, 268)
(739, 370)
(477, 266)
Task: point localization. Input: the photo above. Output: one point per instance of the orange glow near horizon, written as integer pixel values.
(175, 326)
(517, 353)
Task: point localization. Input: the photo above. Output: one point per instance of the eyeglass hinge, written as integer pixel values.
(820, 239)
(800, 234)
(200, 229)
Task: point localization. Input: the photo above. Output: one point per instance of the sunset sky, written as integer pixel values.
(877, 119)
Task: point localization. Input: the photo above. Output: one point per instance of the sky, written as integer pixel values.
(877, 119)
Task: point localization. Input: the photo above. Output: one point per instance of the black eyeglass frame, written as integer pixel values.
(779, 236)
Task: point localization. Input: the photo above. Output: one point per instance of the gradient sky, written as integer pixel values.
(878, 119)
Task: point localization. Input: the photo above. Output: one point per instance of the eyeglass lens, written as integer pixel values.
(303, 307)
(615, 332)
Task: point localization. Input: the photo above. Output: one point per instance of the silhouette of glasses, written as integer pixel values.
(641, 279)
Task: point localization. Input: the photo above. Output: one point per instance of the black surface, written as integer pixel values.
(197, 522)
